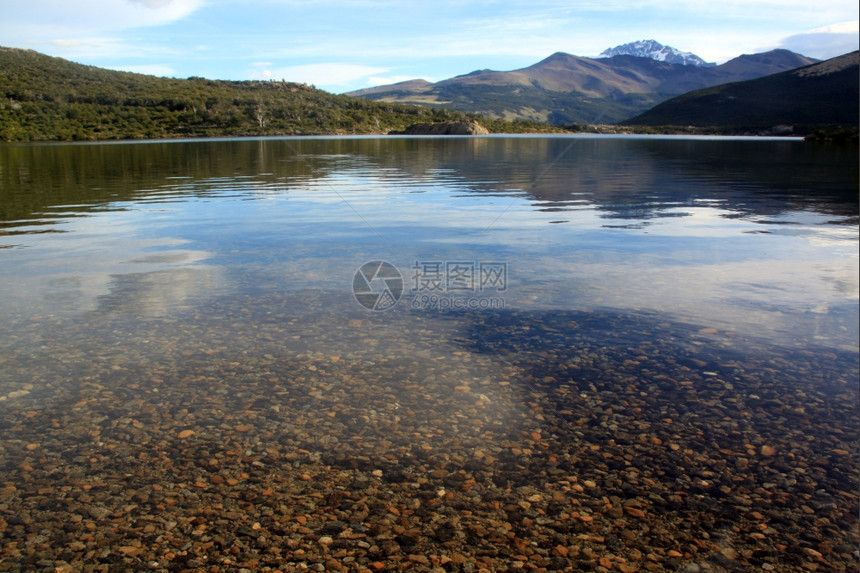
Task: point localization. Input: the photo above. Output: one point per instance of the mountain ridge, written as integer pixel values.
(564, 89)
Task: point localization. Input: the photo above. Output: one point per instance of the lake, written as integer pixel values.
(505, 352)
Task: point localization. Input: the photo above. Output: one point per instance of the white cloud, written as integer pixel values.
(85, 27)
(88, 17)
(160, 70)
(325, 75)
(823, 42)
(797, 11)
(152, 3)
(387, 80)
(852, 27)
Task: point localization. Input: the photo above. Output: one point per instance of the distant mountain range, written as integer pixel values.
(46, 98)
(564, 89)
(821, 95)
(655, 51)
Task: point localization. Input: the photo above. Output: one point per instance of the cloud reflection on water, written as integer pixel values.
(728, 233)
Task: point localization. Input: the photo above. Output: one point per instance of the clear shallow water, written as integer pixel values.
(756, 238)
(586, 289)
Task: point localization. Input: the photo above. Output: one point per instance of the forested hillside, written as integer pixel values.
(44, 98)
(822, 96)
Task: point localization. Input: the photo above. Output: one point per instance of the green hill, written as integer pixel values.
(822, 96)
(43, 98)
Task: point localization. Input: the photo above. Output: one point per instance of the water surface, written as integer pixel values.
(594, 306)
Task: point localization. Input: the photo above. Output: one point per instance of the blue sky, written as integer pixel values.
(341, 45)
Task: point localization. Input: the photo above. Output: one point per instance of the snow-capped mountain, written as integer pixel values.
(656, 51)
(563, 89)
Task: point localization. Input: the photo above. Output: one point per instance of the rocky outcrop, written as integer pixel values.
(444, 128)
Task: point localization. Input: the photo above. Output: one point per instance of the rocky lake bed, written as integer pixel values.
(567, 442)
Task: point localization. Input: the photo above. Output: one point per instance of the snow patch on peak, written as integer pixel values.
(655, 51)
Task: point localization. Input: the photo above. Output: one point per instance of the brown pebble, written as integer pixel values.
(185, 434)
(729, 553)
(615, 512)
(634, 511)
(129, 550)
